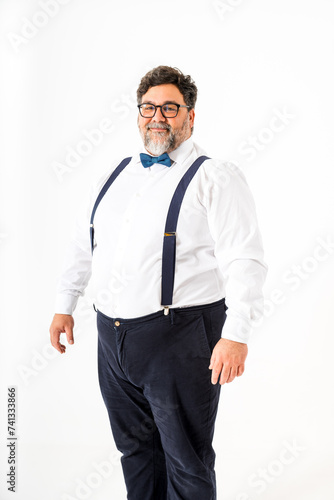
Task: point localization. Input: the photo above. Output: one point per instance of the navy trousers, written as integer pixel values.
(156, 385)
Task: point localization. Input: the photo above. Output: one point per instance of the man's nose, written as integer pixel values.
(158, 117)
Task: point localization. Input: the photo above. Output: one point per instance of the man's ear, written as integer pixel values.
(192, 117)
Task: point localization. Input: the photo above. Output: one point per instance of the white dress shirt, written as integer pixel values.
(218, 245)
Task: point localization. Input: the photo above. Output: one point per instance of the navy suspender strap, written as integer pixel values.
(103, 191)
(169, 244)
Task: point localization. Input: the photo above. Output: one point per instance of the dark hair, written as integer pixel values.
(165, 74)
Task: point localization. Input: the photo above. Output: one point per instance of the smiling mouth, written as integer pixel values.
(152, 129)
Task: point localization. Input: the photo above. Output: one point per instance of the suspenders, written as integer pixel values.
(169, 243)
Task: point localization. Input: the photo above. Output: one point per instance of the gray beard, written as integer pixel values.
(169, 143)
(160, 147)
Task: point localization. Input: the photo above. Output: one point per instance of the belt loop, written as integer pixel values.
(171, 316)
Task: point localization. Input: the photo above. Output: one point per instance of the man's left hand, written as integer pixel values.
(227, 360)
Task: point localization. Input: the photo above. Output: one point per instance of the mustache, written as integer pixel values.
(158, 125)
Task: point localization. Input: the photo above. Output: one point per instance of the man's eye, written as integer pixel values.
(170, 107)
(148, 107)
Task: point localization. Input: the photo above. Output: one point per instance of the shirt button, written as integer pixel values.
(117, 323)
(138, 195)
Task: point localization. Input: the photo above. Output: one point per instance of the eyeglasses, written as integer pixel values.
(168, 110)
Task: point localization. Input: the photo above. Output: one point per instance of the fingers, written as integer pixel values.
(227, 373)
(241, 370)
(224, 372)
(69, 334)
(215, 369)
(55, 336)
(215, 374)
(62, 323)
(232, 374)
(212, 360)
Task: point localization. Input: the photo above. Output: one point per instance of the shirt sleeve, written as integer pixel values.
(238, 247)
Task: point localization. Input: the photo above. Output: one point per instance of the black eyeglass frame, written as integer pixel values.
(161, 106)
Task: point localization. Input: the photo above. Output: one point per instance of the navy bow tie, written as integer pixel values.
(148, 160)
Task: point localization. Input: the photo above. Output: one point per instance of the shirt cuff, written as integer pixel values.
(237, 329)
(65, 303)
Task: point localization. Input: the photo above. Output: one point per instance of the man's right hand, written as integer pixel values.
(61, 323)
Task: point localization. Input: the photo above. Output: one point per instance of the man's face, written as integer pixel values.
(163, 135)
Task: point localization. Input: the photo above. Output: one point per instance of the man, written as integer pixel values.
(173, 235)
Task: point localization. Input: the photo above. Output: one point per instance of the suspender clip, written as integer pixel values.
(170, 234)
(166, 310)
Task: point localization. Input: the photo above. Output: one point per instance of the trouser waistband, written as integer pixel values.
(172, 311)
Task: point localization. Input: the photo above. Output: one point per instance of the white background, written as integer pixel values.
(61, 74)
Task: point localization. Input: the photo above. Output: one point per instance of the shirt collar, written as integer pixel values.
(181, 153)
